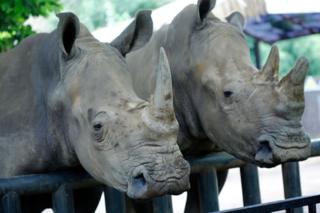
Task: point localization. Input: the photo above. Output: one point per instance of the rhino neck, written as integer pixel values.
(65, 155)
(191, 138)
(51, 77)
(26, 119)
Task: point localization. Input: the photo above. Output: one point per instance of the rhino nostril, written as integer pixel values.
(139, 180)
(264, 146)
(264, 153)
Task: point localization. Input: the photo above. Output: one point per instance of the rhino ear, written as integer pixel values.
(68, 30)
(237, 20)
(205, 7)
(136, 35)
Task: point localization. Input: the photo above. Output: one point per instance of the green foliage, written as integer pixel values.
(99, 13)
(129, 9)
(307, 46)
(13, 15)
(93, 14)
(290, 50)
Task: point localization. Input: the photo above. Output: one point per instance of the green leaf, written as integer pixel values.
(13, 15)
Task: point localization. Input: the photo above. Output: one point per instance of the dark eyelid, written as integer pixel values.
(99, 114)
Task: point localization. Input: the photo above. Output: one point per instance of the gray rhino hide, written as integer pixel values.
(67, 100)
(221, 100)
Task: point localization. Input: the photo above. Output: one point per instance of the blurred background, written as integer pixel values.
(293, 25)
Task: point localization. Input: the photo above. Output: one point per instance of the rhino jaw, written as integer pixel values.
(271, 152)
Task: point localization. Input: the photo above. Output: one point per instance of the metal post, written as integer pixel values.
(312, 208)
(256, 50)
(115, 200)
(208, 188)
(250, 184)
(291, 181)
(62, 200)
(162, 204)
(11, 203)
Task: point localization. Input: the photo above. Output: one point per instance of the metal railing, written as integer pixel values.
(61, 185)
(289, 205)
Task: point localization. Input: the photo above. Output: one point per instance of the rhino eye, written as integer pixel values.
(98, 133)
(97, 127)
(227, 94)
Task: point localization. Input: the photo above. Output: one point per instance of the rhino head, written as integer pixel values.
(121, 140)
(247, 112)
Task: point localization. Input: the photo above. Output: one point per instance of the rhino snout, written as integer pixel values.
(144, 184)
(275, 150)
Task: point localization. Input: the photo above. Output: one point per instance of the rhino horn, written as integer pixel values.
(162, 98)
(292, 84)
(271, 67)
(160, 115)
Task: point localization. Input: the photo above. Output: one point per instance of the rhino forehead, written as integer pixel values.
(218, 37)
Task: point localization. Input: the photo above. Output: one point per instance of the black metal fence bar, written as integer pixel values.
(290, 203)
(10, 203)
(62, 200)
(45, 183)
(218, 161)
(315, 148)
(162, 204)
(250, 184)
(291, 179)
(208, 191)
(312, 208)
(115, 201)
(60, 183)
(224, 160)
(291, 182)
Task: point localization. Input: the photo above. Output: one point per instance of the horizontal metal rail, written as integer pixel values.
(42, 183)
(224, 160)
(287, 204)
(60, 183)
(46, 183)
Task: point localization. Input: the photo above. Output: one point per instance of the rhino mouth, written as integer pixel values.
(273, 151)
(142, 185)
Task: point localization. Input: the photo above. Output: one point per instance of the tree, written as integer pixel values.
(129, 8)
(14, 14)
(99, 13)
(290, 50)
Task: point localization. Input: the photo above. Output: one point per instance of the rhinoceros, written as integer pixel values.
(67, 100)
(221, 100)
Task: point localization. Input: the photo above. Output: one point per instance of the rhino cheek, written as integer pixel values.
(231, 137)
(101, 164)
(113, 168)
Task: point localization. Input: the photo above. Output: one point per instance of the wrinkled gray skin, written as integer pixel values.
(221, 100)
(67, 100)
